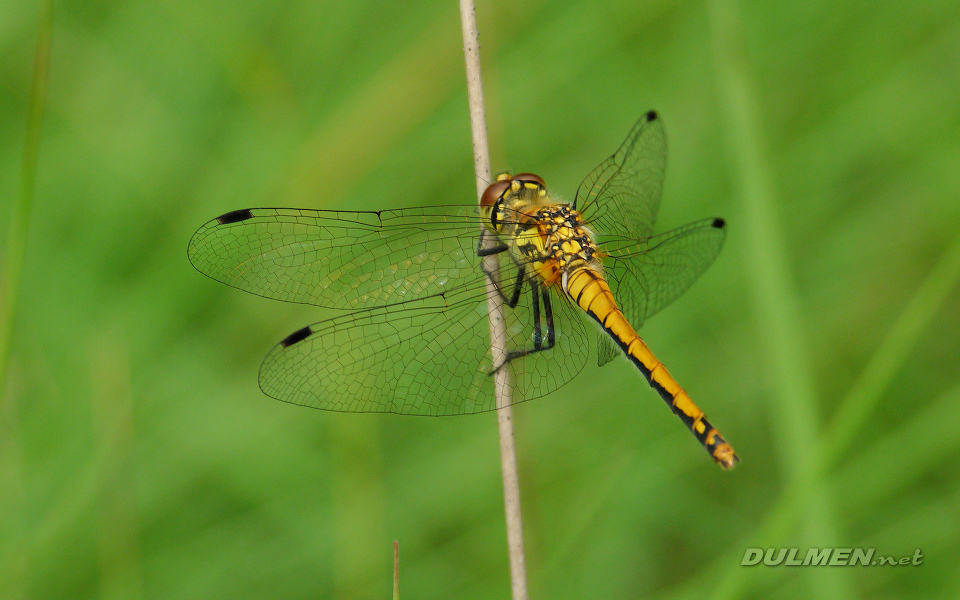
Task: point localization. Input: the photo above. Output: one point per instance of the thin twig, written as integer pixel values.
(396, 570)
(508, 456)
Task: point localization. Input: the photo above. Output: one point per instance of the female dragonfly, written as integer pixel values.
(416, 338)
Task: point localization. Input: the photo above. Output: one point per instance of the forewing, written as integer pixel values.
(621, 197)
(341, 259)
(645, 276)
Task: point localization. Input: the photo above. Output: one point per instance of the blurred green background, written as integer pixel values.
(138, 458)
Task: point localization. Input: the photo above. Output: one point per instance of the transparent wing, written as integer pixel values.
(341, 259)
(428, 356)
(647, 275)
(621, 197)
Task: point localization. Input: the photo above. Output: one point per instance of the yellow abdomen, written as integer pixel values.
(588, 288)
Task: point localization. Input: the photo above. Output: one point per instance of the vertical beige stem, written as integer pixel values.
(508, 457)
(396, 570)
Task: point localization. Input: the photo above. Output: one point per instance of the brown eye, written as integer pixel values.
(530, 178)
(493, 192)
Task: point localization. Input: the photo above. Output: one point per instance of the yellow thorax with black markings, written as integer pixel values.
(548, 235)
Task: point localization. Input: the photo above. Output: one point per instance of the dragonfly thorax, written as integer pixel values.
(553, 240)
(557, 243)
(541, 232)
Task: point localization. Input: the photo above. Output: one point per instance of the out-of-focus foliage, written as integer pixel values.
(138, 459)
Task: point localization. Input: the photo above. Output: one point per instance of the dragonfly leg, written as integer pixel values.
(492, 276)
(538, 338)
(551, 331)
(537, 333)
(517, 288)
(497, 249)
(514, 298)
(538, 344)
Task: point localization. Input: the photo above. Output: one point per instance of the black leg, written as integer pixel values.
(496, 249)
(548, 313)
(537, 334)
(538, 345)
(517, 288)
(500, 247)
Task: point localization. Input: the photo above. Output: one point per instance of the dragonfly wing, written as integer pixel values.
(607, 350)
(340, 259)
(647, 275)
(428, 356)
(421, 357)
(621, 197)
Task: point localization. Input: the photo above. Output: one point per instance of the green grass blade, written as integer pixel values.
(866, 392)
(20, 217)
(13, 498)
(793, 403)
(896, 459)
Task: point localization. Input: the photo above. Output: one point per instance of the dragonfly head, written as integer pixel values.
(507, 188)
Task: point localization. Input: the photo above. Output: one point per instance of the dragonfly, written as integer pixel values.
(413, 334)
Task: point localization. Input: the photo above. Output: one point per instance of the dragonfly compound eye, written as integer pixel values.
(531, 182)
(494, 192)
(530, 178)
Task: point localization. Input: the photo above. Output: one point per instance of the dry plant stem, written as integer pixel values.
(508, 457)
(396, 570)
